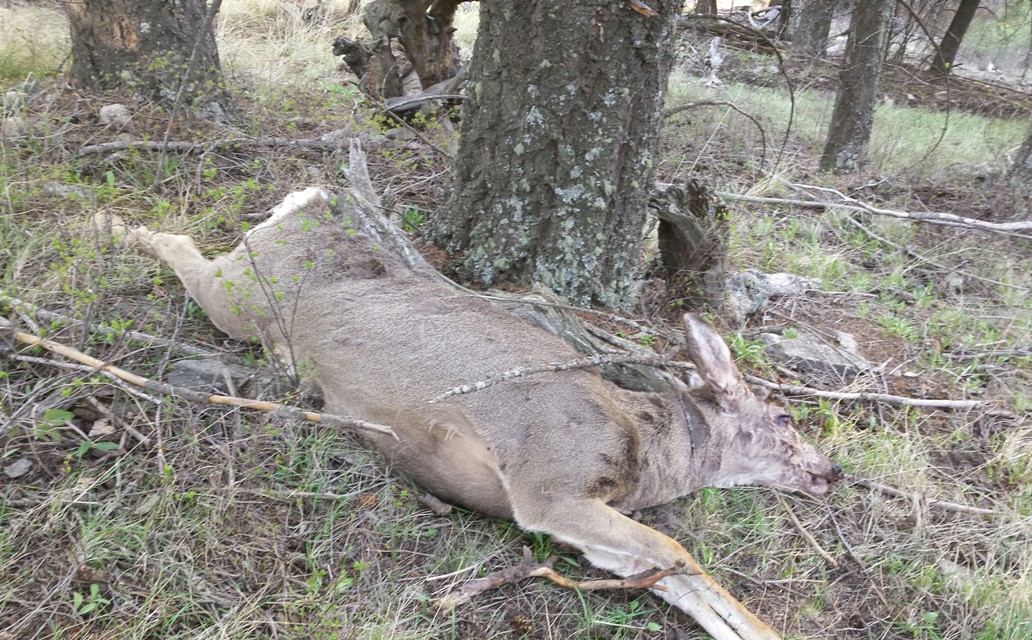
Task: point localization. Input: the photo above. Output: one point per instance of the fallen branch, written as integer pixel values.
(51, 316)
(796, 390)
(163, 388)
(323, 143)
(852, 204)
(806, 534)
(551, 367)
(527, 568)
(934, 504)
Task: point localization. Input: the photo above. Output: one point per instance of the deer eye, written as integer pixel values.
(783, 420)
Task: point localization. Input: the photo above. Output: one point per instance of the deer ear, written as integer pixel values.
(713, 359)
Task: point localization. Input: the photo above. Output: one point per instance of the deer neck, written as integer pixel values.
(678, 448)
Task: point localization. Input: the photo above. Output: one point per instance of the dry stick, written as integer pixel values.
(730, 105)
(796, 390)
(806, 534)
(108, 331)
(931, 217)
(936, 504)
(117, 421)
(274, 408)
(579, 363)
(529, 569)
(190, 147)
(178, 101)
(920, 258)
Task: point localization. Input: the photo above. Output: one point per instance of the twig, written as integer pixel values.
(527, 568)
(107, 331)
(177, 102)
(274, 408)
(917, 256)
(806, 534)
(730, 105)
(931, 217)
(191, 147)
(116, 420)
(80, 367)
(935, 504)
(551, 367)
(796, 390)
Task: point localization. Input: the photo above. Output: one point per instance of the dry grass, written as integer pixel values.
(236, 525)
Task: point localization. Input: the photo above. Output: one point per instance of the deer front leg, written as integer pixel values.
(614, 542)
(195, 271)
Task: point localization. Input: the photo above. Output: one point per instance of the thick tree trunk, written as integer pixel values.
(809, 23)
(1020, 172)
(144, 46)
(950, 43)
(559, 145)
(853, 117)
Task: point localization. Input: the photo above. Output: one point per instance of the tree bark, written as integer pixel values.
(853, 117)
(950, 43)
(1020, 172)
(559, 143)
(809, 23)
(144, 46)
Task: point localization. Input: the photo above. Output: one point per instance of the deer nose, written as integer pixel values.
(836, 472)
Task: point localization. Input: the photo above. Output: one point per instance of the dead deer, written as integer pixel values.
(568, 454)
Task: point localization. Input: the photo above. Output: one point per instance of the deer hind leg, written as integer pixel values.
(614, 542)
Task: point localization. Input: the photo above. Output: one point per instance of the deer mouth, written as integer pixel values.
(821, 482)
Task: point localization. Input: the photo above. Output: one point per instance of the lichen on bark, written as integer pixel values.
(556, 163)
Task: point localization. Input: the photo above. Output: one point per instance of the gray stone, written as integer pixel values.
(208, 374)
(115, 115)
(18, 468)
(13, 127)
(72, 191)
(749, 291)
(812, 354)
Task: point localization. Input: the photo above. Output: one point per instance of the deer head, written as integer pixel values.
(754, 440)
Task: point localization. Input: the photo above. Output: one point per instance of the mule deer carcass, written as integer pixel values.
(329, 284)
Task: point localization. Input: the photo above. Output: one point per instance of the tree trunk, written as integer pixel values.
(424, 30)
(950, 43)
(706, 6)
(144, 46)
(1020, 172)
(694, 229)
(853, 117)
(809, 23)
(559, 145)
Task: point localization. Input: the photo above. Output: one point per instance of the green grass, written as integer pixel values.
(904, 140)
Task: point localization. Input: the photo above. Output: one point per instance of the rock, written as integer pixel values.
(18, 468)
(72, 191)
(115, 115)
(12, 127)
(208, 374)
(749, 291)
(213, 111)
(812, 354)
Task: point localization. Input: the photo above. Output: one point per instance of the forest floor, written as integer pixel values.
(131, 516)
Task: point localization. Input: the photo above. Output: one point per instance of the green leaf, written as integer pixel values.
(57, 417)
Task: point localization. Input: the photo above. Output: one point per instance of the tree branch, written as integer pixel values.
(163, 388)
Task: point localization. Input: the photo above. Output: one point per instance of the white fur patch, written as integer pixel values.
(311, 198)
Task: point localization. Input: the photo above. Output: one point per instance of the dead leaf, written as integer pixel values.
(101, 428)
(641, 8)
(147, 505)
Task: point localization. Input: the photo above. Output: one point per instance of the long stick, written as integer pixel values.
(198, 397)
